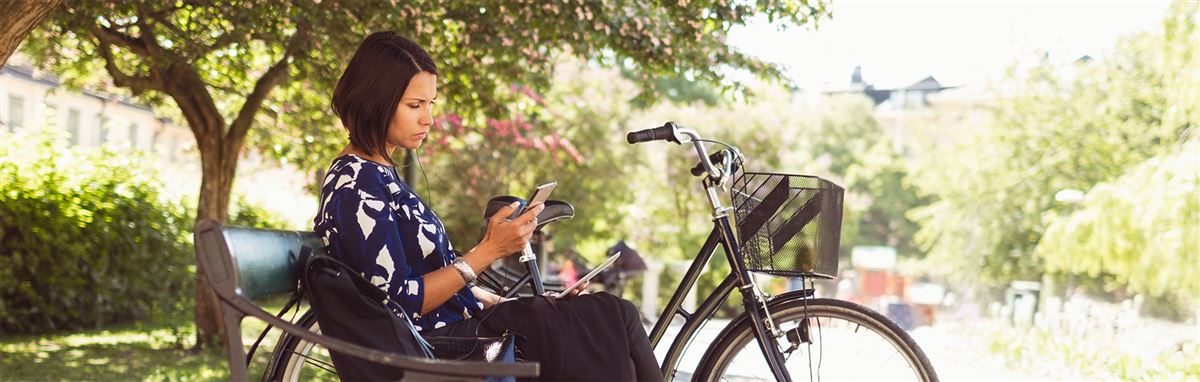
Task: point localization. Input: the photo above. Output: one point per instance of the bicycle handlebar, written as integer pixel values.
(666, 132)
(728, 160)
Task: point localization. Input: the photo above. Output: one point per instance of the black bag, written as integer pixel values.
(490, 349)
(350, 308)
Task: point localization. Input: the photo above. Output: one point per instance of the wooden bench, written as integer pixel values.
(246, 264)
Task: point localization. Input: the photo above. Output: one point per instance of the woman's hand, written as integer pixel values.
(488, 298)
(504, 237)
(507, 237)
(582, 289)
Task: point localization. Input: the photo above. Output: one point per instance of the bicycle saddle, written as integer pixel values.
(555, 210)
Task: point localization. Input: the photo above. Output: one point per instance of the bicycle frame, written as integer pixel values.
(739, 277)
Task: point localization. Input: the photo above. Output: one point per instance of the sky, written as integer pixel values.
(898, 43)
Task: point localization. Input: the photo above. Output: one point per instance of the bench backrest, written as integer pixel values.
(265, 262)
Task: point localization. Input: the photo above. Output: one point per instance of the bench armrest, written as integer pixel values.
(215, 260)
(409, 363)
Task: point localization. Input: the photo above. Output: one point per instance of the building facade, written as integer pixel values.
(29, 102)
(32, 102)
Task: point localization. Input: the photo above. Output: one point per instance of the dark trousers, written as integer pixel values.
(589, 337)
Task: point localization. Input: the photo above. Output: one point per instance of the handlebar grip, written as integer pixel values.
(666, 132)
(715, 158)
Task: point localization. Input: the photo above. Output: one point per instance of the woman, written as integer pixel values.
(372, 221)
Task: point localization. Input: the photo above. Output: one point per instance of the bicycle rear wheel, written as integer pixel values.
(846, 341)
(295, 359)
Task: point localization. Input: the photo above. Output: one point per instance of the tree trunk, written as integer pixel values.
(218, 164)
(18, 18)
(215, 190)
(220, 147)
(219, 143)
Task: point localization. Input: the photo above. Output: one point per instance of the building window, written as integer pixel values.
(16, 112)
(103, 130)
(173, 149)
(50, 116)
(73, 125)
(133, 135)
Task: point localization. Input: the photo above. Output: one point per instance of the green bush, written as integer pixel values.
(244, 213)
(87, 239)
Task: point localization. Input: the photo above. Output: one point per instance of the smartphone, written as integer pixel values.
(539, 195)
(589, 276)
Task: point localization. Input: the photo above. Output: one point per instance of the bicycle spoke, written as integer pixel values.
(327, 366)
(319, 363)
(858, 350)
(323, 366)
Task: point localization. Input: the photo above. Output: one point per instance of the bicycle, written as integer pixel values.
(776, 224)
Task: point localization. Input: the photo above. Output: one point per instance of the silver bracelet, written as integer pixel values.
(464, 270)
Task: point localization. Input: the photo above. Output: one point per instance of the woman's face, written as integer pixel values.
(414, 114)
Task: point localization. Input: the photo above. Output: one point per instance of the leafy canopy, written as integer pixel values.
(482, 47)
(1057, 127)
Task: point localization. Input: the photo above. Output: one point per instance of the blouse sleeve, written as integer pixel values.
(370, 238)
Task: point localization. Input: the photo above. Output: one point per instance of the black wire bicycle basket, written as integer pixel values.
(788, 225)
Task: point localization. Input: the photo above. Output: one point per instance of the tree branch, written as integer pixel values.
(264, 85)
(194, 50)
(137, 84)
(225, 39)
(148, 37)
(112, 36)
(227, 89)
(159, 14)
(175, 30)
(269, 80)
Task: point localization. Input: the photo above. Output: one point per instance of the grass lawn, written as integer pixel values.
(129, 352)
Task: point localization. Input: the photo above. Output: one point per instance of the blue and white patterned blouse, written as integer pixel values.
(373, 222)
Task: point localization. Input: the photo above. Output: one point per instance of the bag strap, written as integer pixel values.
(288, 306)
(375, 294)
(296, 296)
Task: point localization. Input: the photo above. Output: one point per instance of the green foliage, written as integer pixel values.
(643, 193)
(676, 89)
(246, 214)
(1143, 228)
(669, 218)
(1094, 357)
(134, 352)
(1056, 127)
(777, 132)
(873, 170)
(220, 62)
(880, 196)
(482, 48)
(569, 135)
(846, 132)
(88, 240)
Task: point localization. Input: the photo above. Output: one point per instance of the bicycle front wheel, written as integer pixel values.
(296, 359)
(824, 339)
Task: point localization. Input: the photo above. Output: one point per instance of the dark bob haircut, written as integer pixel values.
(366, 95)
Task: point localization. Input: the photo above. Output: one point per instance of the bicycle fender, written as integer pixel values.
(772, 302)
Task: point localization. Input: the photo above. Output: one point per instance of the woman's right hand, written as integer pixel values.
(509, 236)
